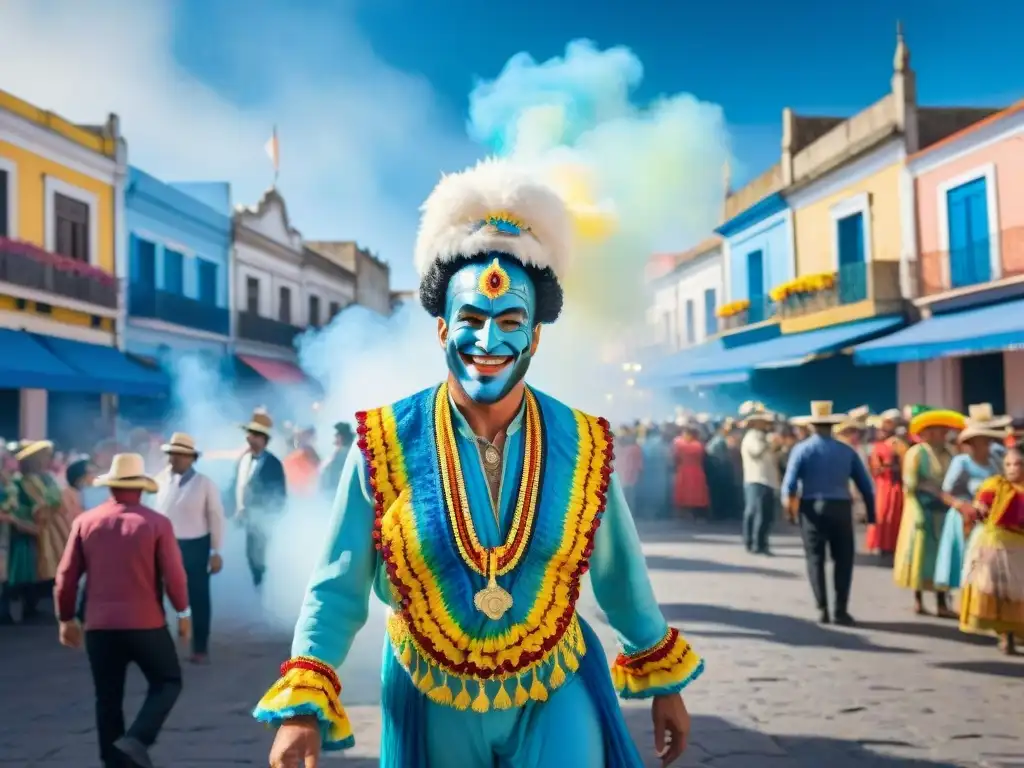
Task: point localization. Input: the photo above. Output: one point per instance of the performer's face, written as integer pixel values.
(489, 333)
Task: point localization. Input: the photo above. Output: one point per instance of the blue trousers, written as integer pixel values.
(195, 556)
(758, 515)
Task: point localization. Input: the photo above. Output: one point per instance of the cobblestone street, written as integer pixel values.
(779, 691)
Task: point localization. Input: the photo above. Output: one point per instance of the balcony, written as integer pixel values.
(970, 268)
(31, 267)
(257, 328)
(145, 302)
(854, 292)
(758, 309)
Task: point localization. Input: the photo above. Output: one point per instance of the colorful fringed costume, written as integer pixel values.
(480, 545)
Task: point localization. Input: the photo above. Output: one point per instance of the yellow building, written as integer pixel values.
(61, 193)
(847, 193)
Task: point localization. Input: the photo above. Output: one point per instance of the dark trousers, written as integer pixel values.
(256, 552)
(195, 554)
(829, 524)
(758, 515)
(110, 652)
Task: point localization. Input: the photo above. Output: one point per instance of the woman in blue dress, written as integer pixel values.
(972, 467)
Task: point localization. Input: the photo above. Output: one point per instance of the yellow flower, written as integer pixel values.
(733, 308)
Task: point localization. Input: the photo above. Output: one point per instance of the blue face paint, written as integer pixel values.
(489, 311)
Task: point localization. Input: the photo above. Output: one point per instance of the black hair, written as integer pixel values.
(434, 286)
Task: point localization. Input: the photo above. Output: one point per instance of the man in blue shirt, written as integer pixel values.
(819, 472)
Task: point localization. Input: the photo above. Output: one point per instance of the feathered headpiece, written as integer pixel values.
(494, 206)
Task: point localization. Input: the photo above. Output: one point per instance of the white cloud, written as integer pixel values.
(361, 142)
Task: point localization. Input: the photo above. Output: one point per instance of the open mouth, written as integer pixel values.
(487, 365)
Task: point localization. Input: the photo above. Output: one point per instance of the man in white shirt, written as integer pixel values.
(192, 502)
(759, 450)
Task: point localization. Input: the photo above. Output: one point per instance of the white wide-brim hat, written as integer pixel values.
(180, 443)
(821, 413)
(128, 471)
(972, 431)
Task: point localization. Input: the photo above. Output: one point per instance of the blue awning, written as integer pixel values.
(666, 369)
(992, 328)
(106, 369)
(729, 366)
(27, 364)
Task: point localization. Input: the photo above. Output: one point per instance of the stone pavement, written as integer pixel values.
(779, 691)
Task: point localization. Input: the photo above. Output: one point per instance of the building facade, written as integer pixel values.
(372, 276)
(686, 290)
(62, 262)
(327, 287)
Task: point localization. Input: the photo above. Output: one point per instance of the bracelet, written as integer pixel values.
(316, 666)
(186, 614)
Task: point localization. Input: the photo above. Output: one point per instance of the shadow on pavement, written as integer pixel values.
(995, 668)
(773, 627)
(693, 565)
(935, 629)
(718, 743)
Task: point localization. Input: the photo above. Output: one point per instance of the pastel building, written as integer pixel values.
(62, 265)
(686, 290)
(964, 242)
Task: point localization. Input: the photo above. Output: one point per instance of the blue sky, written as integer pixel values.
(371, 97)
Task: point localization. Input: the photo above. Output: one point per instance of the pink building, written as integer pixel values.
(966, 197)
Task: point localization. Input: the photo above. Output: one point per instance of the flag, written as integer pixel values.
(273, 149)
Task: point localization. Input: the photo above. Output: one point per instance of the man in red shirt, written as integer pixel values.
(131, 558)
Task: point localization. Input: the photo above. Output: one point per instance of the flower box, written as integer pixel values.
(738, 320)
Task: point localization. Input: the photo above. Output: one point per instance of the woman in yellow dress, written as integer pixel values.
(993, 579)
(925, 505)
(40, 499)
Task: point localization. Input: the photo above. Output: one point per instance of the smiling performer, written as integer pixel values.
(474, 509)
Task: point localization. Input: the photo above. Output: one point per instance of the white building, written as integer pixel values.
(686, 291)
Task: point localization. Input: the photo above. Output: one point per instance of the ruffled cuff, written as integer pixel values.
(666, 668)
(306, 687)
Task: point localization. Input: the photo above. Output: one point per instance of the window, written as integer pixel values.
(284, 304)
(5, 224)
(144, 273)
(970, 260)
(691, 322)
(755, 287)
(252, 295)
(314, 311)
(72, 227)
(174, 272)
(335, 309)
(207, 279)
(853, 268)
(710, 310)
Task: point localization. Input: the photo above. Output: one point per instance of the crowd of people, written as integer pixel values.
(941, 494)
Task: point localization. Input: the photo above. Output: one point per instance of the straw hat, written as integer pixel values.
(180, 443)
(260, 422)
(859, 418)
(31, 448)
(935, 417)
(753, 412)
(982, 422)
(128, 471)
(821, 413)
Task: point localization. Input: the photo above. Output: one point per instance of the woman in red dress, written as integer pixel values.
(885, 463)
(691, 484)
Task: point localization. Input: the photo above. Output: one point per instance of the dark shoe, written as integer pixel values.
(843, 619)
(135, 751)
(765, 552)
(200, 659)
(823, 617)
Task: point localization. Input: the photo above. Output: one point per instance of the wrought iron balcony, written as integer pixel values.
(147, 302)
(851, 284)
(29, 266)
(972, 265)
(263, 329)
(759, 309)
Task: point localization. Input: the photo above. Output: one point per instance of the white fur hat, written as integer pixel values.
(494, 206)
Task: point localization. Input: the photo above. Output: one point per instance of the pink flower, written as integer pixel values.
(56, 261)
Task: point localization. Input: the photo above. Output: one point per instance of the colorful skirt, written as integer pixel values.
(882, 536)
(993, 582)
(917, 547)
(949, 560)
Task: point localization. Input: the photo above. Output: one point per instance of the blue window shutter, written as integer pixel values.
(207, 274)
(710, 309)
(174, 272)
(967, 222)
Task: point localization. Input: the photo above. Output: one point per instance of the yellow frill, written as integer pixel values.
(669, 674)
(304, 692)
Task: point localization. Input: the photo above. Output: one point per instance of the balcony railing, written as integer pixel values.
(877, 281)
(972, 265)
(144, 301)
(761, 308)
(263, 329)
(29, 266)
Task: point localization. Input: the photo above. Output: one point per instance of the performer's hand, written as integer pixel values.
(671, 727)
(185, 627)
(216, 563)
(297, 744)
(70, 634)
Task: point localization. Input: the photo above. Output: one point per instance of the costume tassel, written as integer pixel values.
(577, 639)
(416, 672)
(521, 696)
(407, 654)
(571, 660)
(502, 700)
(426, 683)
(537, 690)
(557, 676)
(462, 700)
(442, 694)
(481, 703)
